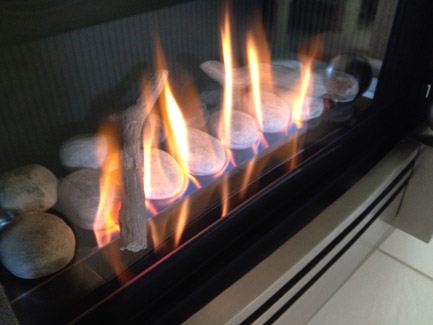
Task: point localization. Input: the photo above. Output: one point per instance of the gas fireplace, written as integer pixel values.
(150, 148)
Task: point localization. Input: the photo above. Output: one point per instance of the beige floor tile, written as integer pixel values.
(410, 250)
(382, 291)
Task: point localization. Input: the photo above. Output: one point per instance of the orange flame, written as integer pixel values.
(247, 175)
(301, 99)
(253, 65)
(261, 79)
(148, 140)
(227, 53)
(110, 187)
(150, 207)
(176, 130)
(173, 118)
(227, 109)
(259, 65)
(182, 218)
(225, 188)
(304, 89)
(299, 107)
(160, 230)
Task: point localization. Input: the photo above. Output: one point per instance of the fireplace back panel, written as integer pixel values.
(59, 86)
(56, 87)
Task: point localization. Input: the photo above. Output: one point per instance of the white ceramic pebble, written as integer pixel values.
(83, 151)
(79, 198)
(166, 178)
(312, 107)
(275, 112)
(206, 153)
(243, 132)
(215, 70)
(341, 87)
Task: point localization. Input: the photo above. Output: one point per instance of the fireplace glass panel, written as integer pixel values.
(254, 89)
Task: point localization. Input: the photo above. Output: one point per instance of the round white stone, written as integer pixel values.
(215, 70)
(290, 79)
(312, 107)
(275, 112)
(206, 154)
(243, 133)
(341, 86)
(83, 151)
(167, 179)
(79, 198)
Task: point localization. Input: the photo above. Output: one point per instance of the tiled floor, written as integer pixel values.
(393, 286)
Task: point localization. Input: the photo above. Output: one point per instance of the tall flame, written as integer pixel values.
(227, 109)
(301, 100)
(259, 65)
(254, 71)
(149, 135)
(175, 225)
(304, 89)
(227, 55)
(174, 121)
(110, 186)
(182, 219)
(176, 130)
(261, 80)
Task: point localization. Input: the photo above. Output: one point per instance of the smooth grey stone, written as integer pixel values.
(79, 198)
(83, 151)
(212, 97)
(312, 107)
(315, 108)
(32, 187)
(292, 81)
(275, 112)
(195, 115)
(166, 179)
(341, 86)
(37, 244)
(286, 76)
(243, 132)
(206, 154)
(215, 70)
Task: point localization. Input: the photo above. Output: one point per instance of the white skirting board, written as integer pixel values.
(361, 216)
(416, 214)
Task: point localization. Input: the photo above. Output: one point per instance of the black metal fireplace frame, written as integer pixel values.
(400, 105)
